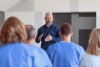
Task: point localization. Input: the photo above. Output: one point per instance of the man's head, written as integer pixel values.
(66, 30)
(31, 33)
(48, 18)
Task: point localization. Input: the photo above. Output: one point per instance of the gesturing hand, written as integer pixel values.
(49, 37)
(40, 37)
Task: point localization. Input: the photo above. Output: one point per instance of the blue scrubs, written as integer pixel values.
(23, 55)
(65, 54)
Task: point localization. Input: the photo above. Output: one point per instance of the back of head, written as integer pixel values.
(94, 42)
(13, 31)
(65, 29)
(30, 32)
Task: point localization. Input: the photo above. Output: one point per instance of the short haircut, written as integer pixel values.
(13, 30)
(66, 29)
(30, 31)
(48, 13)
(94, 42)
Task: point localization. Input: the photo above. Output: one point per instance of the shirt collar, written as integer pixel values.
(50, 25)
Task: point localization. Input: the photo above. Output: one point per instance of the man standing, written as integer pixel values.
(48, 34)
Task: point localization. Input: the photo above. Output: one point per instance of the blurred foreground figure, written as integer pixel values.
(65, 53)
(14, 52)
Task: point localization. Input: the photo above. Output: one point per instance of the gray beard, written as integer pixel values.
(48, 23)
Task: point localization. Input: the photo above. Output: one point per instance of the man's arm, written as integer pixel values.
(57, 38)
(79, 53)
(46, 58)
(37, 37)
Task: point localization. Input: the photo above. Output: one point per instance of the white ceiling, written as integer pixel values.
(7, 4)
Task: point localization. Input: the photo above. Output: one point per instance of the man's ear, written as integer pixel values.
(71, 33)
(34, 36)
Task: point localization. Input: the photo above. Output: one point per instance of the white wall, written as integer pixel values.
(23, 6)
(98, 19)
(58, 6)
(7, 4)
(89, 5)
(25, 17)
(52, 5)
(69, 6)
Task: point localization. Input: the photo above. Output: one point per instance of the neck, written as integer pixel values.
(66, 39)
(30, 42)
(48, 25)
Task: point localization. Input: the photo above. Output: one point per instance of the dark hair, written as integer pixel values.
(66, 29)
(30, 31)
(13, 31)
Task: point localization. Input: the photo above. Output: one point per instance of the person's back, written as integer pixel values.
(89, 60)
(14, 52)
(65, 54)
(92, 56)
(23, 55)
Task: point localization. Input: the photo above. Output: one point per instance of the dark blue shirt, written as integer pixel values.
(53, 30)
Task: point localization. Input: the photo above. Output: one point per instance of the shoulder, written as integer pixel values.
(41, 27)
(31, 48)
(90, 60)
(89, 56)
(56, 26)
(40, 56)
(34, 50)
(37, 49)
(78, 48)
(54, 46)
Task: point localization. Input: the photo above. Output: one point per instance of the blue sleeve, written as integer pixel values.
(46, 58)
(48, 51)
(79, 53)
(82, 52)
(38, 34)
(57, 38)
(40, 59)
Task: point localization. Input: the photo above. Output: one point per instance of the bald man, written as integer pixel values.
(48, 34)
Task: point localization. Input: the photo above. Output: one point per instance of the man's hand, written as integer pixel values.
(49, 37)
(40, 37)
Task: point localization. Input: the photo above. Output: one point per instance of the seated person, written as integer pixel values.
(92, 56)
(65, 53)
(14, 52)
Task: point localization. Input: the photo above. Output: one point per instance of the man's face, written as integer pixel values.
(48, 19)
